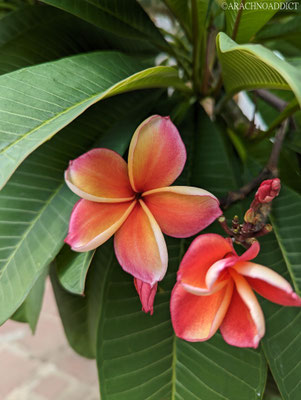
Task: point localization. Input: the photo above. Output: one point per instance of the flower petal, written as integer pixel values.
(157, 154)
(197, 318)
(243, 325)
(217, 270)
(100, 175)
(269, 284)
(182, 211)
(140, 246)
(203, 252)
(251, 253)
(91, 224)
(147, 295)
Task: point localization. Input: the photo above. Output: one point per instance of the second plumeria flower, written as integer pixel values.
(135, 201)
(214, 290)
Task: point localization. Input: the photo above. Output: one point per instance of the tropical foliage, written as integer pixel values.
(83, 74)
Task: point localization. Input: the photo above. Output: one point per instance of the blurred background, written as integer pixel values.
(43, 366)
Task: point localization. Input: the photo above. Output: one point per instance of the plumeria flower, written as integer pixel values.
(135, 201)
(214, 290)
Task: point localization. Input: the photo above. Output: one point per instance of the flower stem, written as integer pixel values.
(268, 172)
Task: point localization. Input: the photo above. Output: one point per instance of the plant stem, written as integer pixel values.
(237, 21)
(269, 171)
(209, 50)
(271, 99)
(196, 46)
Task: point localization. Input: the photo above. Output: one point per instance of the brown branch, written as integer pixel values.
(237, 21)
(271, 99)
(269, 171)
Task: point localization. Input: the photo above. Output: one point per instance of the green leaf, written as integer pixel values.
(252, 18)
(35, 205)
(72, 269)
(124, 18)
(291, 26)
(138, 355)
(36, 34)
(286, 221)
(80, 315)
(253, 66)
(282, 342)
(37, 102)
(30, 309)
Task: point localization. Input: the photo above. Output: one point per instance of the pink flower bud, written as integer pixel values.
(147, 295)
(268, 190)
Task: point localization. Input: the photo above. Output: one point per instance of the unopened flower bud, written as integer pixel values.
(268, 190)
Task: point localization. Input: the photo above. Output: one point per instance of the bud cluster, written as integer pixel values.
(256, 216)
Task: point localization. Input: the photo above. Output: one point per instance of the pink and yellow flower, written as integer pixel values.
(135, 201)
(214, 290)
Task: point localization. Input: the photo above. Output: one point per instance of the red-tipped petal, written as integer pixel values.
(203, 252)
(140, 246)
(100, 175)
(157, 154)
(269, 284)
(182, 211)
(197, 318)
(251, 253)
(92, 224)
(243, 325)
(147, 295)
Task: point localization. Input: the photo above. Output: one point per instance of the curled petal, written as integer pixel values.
(140, 246)
(182, 211)
(157, 154)
(147, 295)
(203, 252)
(197, 318)
(92, 224)
(218, 270)
(243, 325)
(269, 284)
(251, 253)
(100, 175)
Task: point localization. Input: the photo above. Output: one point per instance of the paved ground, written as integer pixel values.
(43, 367)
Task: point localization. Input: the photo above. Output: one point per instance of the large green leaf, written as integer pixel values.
(291, 26)
(72, 269)
(282, 342)
(36, 34)
(286, 221)
(252, 17)
(125, 18)
(35, 205)
(30, 309)
(252, 66)
(79, 314)
(38, 101)
(138, 355)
